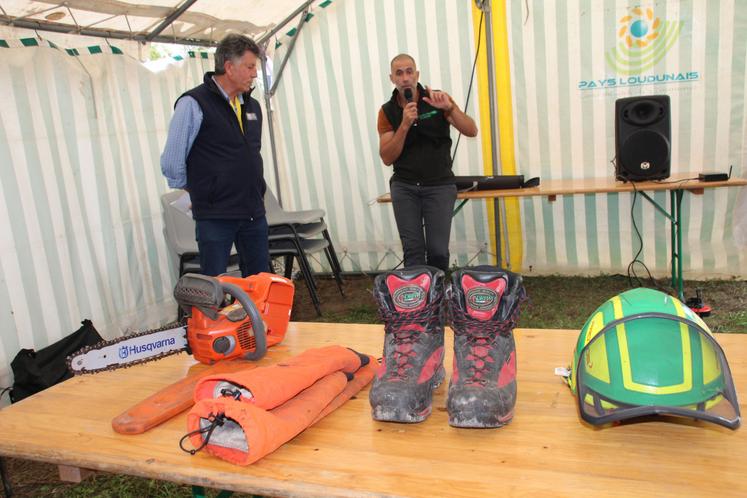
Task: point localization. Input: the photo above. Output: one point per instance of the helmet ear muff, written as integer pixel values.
(644, 353)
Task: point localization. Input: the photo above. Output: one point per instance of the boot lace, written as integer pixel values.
(405, 330)
(481, 337)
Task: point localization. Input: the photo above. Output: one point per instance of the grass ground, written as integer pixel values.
(555, 302)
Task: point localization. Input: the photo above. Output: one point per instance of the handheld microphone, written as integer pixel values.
(408, 97)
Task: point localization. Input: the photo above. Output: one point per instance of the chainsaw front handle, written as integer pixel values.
(258, 325)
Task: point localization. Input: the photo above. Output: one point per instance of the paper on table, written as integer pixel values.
(184, 204)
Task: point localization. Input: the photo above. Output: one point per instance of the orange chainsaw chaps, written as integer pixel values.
(249, 433)
(171, 400)
(273, 296)
(273, 385)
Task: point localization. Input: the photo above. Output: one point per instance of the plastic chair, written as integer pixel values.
(302, 226)
(291, 248)
(179, 230)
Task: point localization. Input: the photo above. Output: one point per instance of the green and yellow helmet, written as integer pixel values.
(645, 353)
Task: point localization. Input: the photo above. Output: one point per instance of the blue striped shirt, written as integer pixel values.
(183, 129)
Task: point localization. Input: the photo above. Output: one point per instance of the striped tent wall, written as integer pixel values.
(563, 63)
(81, 135)
(326, 108)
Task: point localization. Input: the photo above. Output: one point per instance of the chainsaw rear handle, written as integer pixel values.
(258, 325)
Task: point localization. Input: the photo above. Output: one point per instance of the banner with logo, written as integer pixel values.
(570, 62)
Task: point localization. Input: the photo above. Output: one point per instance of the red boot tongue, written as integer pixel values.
(482, 299)
(409, 295)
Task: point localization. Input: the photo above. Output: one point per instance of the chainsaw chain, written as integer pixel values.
(99, 345)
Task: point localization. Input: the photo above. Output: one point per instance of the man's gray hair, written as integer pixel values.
(233, 47)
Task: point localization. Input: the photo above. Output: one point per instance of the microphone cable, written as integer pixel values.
(471, 81)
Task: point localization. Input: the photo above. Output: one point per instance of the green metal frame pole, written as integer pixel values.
(677, 209)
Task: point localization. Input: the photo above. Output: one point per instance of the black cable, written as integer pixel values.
(471, 81)
(4, 390)
(631, 266)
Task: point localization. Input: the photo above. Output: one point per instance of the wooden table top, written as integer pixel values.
(546, 450)
(553, 188)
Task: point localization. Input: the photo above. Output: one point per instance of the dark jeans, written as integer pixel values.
(215, 238)
(423, 215)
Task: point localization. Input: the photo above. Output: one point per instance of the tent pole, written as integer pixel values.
(169, 19)
(270, 125)
(288, 52)
(266, 37)
(485, 6)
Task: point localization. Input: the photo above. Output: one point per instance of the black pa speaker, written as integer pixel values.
(642, 138)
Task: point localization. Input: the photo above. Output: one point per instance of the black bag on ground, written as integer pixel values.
(34, 371)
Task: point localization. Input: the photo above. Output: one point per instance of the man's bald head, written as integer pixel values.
(401, 57)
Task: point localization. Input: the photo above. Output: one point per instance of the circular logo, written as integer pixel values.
(481, 299)
(408, 297)
(639, 28)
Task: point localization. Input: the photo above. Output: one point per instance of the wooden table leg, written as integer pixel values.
(69, 473)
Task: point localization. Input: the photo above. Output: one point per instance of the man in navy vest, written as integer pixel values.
(213, 152)
(414, 135)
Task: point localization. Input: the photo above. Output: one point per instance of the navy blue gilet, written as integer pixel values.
(224, 166)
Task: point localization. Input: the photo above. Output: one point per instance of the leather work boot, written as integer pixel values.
(484, 306)
(412, 308)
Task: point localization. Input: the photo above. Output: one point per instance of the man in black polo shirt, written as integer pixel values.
(414, 135)
(213, 152)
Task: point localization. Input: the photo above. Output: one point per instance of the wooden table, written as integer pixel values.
(546, 450)
(676, 184)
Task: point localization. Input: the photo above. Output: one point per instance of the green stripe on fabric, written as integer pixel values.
(191, 53)
(67, 107)
(736, 130)
(125, 222)
(308, 17)
(587, 139)
(336, 147)
(544, 156)
(8, 185)
(325, 3)
(613, 222)
(662, 240)
(139, 154)
(592, 238)
(10, 336)
(4, 44)
(29, 42)
(18, 228)
(710, 128)
(292, 32)
(152, 155)
(614, 201)
(359, 142)
(94, 49)
(370, 29)
(72, 51)
(115, 286)
(531, 258)
(562, 57)
(328, 153)
(116, 50)
(44, 211)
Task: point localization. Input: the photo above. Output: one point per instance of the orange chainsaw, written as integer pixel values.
(227, 317)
